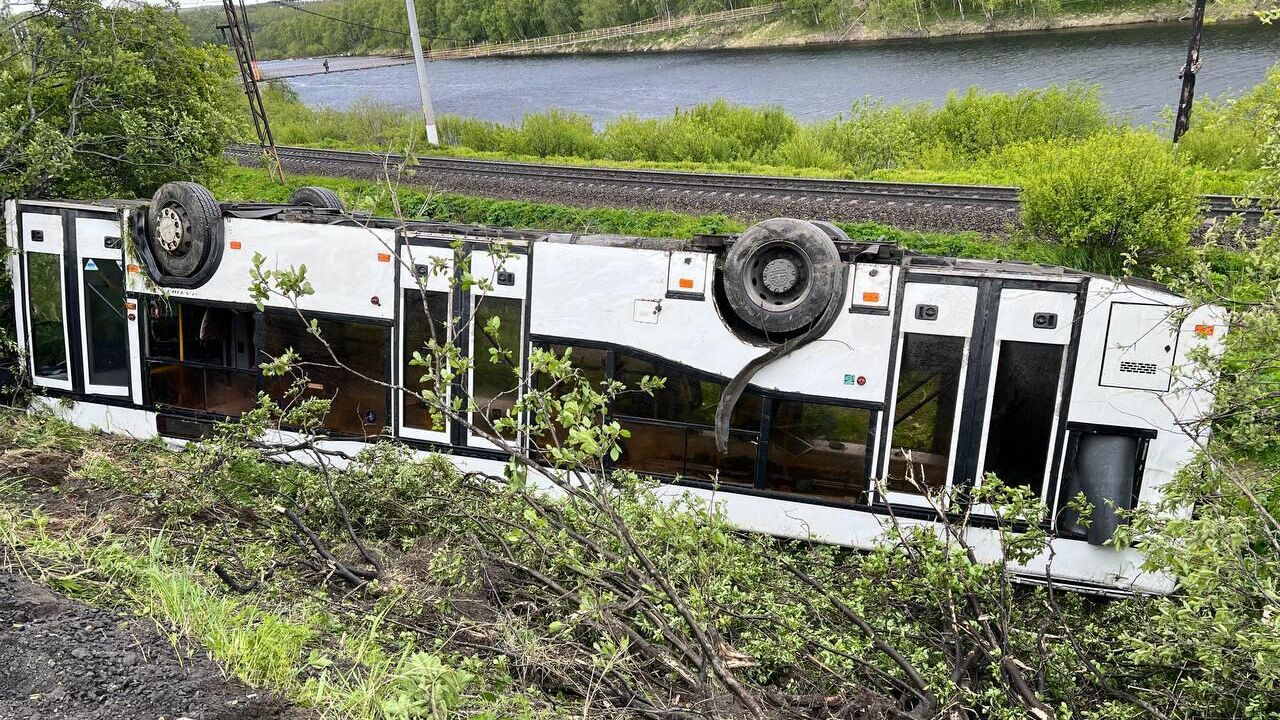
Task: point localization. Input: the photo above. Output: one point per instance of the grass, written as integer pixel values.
(974, 137)
(342, 663)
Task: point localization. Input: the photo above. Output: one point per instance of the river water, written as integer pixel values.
(1136, 68)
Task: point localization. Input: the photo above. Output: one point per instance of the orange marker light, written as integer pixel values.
(686, 283)
(134, 269)
(1205, 330)
(384, 257)
(236, 245)
(870, 297)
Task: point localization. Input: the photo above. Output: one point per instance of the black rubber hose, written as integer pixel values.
(739, 383)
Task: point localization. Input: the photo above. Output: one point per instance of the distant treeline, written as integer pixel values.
(284, 28)
(378, 26)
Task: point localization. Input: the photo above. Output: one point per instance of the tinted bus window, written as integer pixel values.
(48, 335)
(200, 357)
(685, 398)
(106, 325)
(354, 383)
(496, 380)
(425, 318)
(818, 449)
(1022, 405)
(591, 363)
(925, 411)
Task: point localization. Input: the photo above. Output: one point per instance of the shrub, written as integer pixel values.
(1230, 134)
(554, 133)
(473, 133)
(979, 121)
(1117, 191)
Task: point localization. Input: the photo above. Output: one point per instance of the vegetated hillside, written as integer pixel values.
(974, 137)
(294, 29)
(342, 27)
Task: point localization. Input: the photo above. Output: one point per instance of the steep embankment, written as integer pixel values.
(378, 27)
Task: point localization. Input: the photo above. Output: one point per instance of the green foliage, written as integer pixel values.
(378, 26)
(109, 101)
(1231, 133)
(1114, 192)
(974, 138)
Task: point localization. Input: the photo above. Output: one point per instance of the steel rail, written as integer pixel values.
(990, 196)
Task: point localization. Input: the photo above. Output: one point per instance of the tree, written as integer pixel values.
(98, 101)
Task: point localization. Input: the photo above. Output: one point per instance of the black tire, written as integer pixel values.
(317, 197)
(781, 274)
(185, 231)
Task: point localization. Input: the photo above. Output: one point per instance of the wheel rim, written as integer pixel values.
(778, 276)
(173, 230)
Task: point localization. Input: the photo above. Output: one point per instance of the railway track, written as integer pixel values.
(988, 197)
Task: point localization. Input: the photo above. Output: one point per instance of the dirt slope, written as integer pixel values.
(63, 659)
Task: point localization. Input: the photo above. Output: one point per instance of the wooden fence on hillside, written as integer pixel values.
(539, 44)
(643, 27)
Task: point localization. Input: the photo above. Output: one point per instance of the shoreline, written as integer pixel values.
(783, 33)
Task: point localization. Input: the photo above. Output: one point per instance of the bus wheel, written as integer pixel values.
(781, 274)
(317, 197)
(184, 229)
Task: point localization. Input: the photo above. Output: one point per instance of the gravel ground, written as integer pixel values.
(906, 215)
(63, 659)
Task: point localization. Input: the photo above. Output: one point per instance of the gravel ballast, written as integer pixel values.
(63, 659)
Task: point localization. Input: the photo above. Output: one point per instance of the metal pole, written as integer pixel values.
(1188, 74)
(427, 113)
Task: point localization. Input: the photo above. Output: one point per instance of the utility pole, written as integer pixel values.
(241, 42)
(416, 38)
(1188, 74)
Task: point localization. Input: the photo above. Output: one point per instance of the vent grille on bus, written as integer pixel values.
(1140, 368)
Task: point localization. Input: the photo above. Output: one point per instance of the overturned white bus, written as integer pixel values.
(849, 367)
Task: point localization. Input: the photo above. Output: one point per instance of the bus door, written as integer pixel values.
(46, 291)
(979, 383)
(108, 327)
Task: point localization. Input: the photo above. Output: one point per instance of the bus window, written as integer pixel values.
(672, 431)
(591, 363)
(685, 397)
(346, 365)
(200, 357)
(925, 412)
(1022, 405)
(818, 449)
(106, 325)
(495, 381)
(426, 317)
(48, 333)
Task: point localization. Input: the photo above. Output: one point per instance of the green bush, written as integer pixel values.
(974, 138)
(1115, 191)
(980, 121)
(554, 133)
(1230, 134)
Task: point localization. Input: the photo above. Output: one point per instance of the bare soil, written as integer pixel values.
(63, 659)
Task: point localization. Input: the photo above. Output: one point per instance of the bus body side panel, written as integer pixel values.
(619, 297)
(1103, 340)
(352, 270)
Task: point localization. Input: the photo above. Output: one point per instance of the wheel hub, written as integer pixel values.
(170, 230)
(780, 275)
